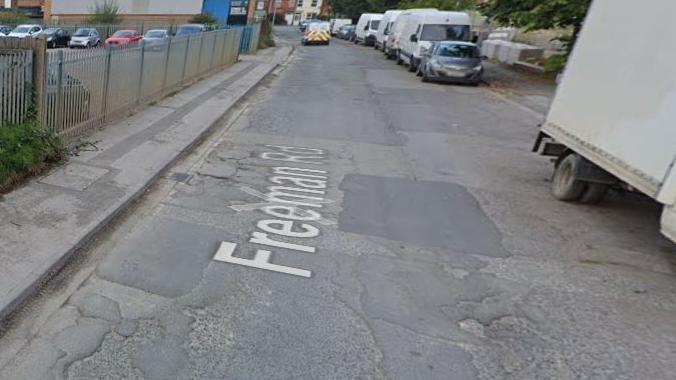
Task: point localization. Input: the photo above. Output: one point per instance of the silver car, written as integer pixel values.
(451, 61)
(156, 39)
(85, 38)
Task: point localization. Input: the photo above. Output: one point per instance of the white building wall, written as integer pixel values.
(162, 7)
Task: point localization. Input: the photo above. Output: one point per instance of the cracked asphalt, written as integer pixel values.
(439, 254)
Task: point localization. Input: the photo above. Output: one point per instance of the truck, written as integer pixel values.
(612, 123)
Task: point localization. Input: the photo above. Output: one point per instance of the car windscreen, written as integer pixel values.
(319, 26)
(442, 32)
(21, 29)
(50, 31)
(82, 33)
(123, 34)
(458, 51)
(156, 34)
(375, 24)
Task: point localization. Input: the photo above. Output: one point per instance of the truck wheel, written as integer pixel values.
(594, 193)
(564, 185)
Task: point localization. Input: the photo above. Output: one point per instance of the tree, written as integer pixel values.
(442, 5)
(106, 12)
(204, 18)
(539, 14)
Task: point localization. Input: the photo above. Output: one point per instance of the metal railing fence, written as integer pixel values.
(250, 36)
(86, 88)
(16, 85)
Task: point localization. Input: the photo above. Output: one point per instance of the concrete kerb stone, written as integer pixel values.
(32, 282)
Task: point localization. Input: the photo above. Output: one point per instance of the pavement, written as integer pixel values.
(44, 222)
(349, 221)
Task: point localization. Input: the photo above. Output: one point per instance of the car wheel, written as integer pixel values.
(419, 72)
(399, 60)
(425, 78)
(412, 67)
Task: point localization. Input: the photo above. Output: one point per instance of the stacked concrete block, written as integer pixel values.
(510, 52)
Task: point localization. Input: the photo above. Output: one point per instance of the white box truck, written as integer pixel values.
(613, 120)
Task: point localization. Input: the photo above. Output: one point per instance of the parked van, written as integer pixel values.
(385, 27)
(425, 28)
(401, 22)
(367, 28)
(336, 23)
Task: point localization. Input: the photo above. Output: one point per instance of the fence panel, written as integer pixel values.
(85, 88)
(16, 84)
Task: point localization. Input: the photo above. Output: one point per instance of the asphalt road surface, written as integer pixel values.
(352, 222)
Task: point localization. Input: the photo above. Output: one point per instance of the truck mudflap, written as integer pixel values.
(669, 222)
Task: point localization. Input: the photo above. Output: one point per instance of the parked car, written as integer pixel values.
(345, 32)
(451, 61)
(123, 38)
(336, 23)
(57, 37)
(5, 30)
(85, 38)
(189, 29)
(23, 31)
(156, 39)
(367, 28)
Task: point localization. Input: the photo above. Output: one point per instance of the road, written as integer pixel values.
(350, 221)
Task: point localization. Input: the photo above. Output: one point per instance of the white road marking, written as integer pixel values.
(268, 203)
(261, 260)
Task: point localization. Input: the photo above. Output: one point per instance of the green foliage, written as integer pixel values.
(442, 5)
(13, 18)
(25, 148)
(537, 14)
(555, 64)
(204, 18)
(106, 12)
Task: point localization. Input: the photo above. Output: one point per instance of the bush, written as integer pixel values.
(25, 149)
(13, 18)
(204, 18)
(107, 12)
(555, 64)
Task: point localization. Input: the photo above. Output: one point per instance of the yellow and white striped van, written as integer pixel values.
(317, 33)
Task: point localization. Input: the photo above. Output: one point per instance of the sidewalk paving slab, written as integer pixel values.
(48, 219)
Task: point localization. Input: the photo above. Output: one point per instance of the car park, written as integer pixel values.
(451, 61)
(345, 32)
(423, 28)
(5, 30)
(384, 28)
(156, 39)
(367, 28)
(24, 31)
(57, 37)
(190, 29)
(85, 38)
(123, 38)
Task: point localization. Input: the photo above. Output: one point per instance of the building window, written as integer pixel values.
(314, 3)
(300, 3)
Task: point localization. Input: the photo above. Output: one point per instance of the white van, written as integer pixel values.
(336, 23)
(367, 28)
(394, 36)
(424, 28)
(385, 27)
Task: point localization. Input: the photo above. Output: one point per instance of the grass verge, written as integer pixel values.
(25, 150)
